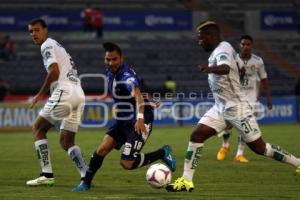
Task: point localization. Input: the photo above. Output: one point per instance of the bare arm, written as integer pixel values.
(266, 89)
(52, 76)
(220, 69)
(139, 125)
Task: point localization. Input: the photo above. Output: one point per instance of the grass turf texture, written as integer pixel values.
(262, 178)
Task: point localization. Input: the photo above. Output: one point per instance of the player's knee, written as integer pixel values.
(38, 131)
(126, 165)
(201, 133)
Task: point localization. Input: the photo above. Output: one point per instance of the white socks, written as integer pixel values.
(277, 153)
(191, 159)
(241, 146)
(76, 156)
(43, 152)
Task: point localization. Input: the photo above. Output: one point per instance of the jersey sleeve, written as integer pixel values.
(262, 74)
(48, 54)
(224, 55)
(131, 82)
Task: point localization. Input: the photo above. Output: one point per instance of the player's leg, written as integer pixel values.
(193, 154)
(40, 129)
(225, 145)
(141, 159)
(108, 143)
(43, 123)
(251, 134)
(67, 142)
(131, 157)
(68, 130)
(210, 124)
(273, 151)
(240, 151)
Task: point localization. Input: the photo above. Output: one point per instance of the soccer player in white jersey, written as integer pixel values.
(230, 108)
(65, 104)
(253, 73)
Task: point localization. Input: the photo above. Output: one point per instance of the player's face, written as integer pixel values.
(113, 60)
(245, 47)
(38, 33)
(205, 40)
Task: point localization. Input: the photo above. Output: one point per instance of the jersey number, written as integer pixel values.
(247, 127)
(137, 145)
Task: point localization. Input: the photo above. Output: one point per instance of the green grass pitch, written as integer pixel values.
(260, 179)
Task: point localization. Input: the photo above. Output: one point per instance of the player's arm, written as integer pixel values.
(265, 83)
(266, 89)
(52, 76)
(220, 69)
(222, 64)
(139, 125)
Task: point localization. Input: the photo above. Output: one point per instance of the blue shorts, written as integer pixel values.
(122, 131)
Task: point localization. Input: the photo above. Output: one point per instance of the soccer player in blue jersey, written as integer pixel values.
(133, 121)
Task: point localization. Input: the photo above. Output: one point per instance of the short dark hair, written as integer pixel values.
(38, 20)
(246, 37)
(109, 46)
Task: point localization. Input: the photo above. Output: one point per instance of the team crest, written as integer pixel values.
(130, 80)
(222, 57)
(253, 68)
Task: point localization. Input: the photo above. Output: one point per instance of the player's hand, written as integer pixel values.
(269, 103)
(35, 100)
(140, 126)
(155, 104)
(204, 68)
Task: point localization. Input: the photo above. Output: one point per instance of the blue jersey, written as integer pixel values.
(120, 87)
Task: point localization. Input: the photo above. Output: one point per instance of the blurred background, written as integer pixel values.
(158, 39)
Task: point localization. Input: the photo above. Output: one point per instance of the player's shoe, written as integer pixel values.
(42, 180)
(241, 158)
(81, 187)
(180, 185)
(222, 153)
(298, 170)
(168, 158)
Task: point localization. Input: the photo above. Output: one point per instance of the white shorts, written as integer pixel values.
(65, 106)
(259, 110)
(241, 117)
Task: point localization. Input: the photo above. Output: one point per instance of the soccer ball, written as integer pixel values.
(158, 175)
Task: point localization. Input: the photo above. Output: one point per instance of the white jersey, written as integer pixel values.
(225, 88)
(53, 52)
(255, 72)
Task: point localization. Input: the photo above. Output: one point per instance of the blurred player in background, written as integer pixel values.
(65, 104)
(253, 73)
(133, 121)
(231, 108)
